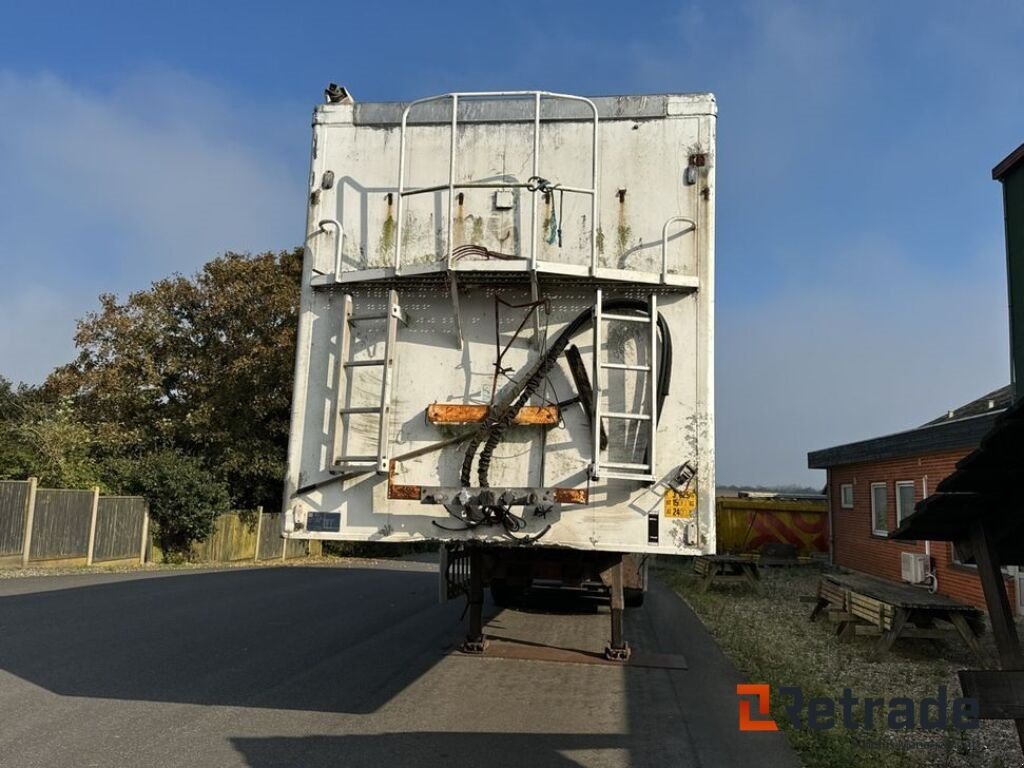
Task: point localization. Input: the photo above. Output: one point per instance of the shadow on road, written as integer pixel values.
(316, 639)
(454, 749)
(361, 641)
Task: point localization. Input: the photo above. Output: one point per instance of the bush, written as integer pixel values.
(184, 500)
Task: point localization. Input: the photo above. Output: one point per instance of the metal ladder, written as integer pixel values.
(642, 472)
(350, 464)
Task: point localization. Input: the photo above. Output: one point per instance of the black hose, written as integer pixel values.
(494, 428)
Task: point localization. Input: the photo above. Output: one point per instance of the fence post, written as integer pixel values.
(92, 524)
(30, 514)
(259, 531)
(145, 535)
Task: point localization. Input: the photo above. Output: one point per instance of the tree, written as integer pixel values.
(201, 366)
(184, 499)
(15, 452)
(44, 439)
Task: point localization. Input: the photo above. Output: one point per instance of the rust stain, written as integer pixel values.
(572, 495)
(404, 492)
(463, 413)
(401, 492)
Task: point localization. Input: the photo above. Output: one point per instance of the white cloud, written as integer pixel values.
(108, 191)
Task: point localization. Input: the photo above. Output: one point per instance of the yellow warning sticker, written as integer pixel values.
(680, 505)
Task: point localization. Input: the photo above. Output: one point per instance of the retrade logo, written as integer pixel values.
(939, 712)
(751, 693)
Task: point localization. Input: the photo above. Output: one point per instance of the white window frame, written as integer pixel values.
(901, 513)
(1008, 572)
(843, 502)
(874, 530)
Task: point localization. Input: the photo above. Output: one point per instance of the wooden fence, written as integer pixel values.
(13, 507)
(119, 528)
(249, 535)
(64, 526)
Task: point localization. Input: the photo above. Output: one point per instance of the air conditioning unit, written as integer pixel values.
(914, 567)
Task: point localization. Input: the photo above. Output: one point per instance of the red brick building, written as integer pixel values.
(874, 484)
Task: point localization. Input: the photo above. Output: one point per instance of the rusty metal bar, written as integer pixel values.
(467, 413)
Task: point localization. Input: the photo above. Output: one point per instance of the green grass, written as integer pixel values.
(768, 637)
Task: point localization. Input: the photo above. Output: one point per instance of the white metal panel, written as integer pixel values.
(641, 189)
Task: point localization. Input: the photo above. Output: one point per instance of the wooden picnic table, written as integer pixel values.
(712, 567)
(893, 610)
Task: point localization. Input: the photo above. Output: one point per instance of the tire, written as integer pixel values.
(633, 598)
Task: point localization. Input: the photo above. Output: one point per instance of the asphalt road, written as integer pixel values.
(344, 666)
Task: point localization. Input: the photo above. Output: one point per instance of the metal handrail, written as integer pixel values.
(451, 186)
(664, 241)
(339, 234)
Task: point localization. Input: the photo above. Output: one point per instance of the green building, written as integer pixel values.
(1011, 173)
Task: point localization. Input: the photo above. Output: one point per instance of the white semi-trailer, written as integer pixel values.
(506, 336)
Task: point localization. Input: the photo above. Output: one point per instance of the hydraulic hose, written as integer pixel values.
(492, 431)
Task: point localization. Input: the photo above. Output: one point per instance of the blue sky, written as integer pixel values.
(861, 284)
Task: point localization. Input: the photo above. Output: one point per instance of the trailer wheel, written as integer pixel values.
(632, 597)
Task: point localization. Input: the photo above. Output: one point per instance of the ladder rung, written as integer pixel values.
(626, 465)
(625, 318)
(363, 363)
(358, 318)
(625, 367)
(360, 409)
(629, 416)
(356, 460)
(346, 469)
(626, 476)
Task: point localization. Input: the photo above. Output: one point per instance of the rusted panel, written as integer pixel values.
(404, 492)
(571, 495)
(463, 413)
(746, 525)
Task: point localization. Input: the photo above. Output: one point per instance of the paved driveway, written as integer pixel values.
(343, 666)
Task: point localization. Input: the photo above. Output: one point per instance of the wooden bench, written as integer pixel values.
(864, 605)
(712, 567)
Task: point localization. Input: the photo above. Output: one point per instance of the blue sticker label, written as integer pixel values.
(324, 522)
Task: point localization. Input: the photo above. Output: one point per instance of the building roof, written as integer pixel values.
(962, 427)
(1008, 163)
(986, 483)
(997, 400)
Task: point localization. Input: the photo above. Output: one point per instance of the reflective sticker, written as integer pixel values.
(680, 505)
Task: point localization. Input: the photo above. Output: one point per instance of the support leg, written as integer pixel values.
(889, 636)
(750, 573)
(846, 631)
(819, 606)
(1000, 615)
(475, 640)
(709, 576)
(968, 635)
(618, 648)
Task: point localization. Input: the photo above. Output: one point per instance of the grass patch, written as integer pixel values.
(770, 640)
